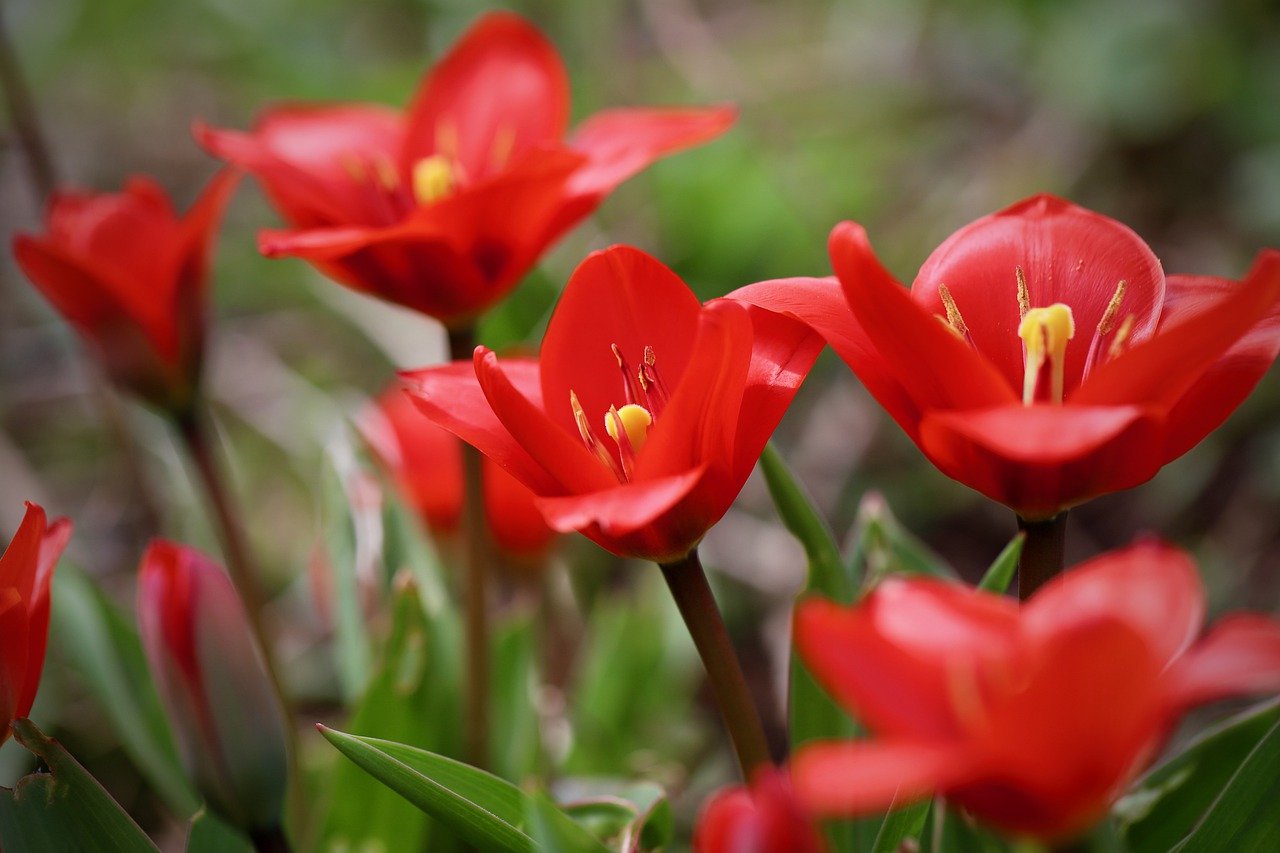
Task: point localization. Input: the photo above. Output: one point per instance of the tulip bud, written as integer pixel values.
(26, 570)
(213, 680)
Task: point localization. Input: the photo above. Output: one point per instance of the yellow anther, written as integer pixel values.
(635, 420)
(946, 324)
(954, 320)
(1122, 337)
(1045, 332)
(1024, 293)
(434, 178)
(1113, 307)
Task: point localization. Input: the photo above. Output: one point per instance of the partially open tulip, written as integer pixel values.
(425, 460)
(645, 413)
(26, 570)
(1042, 356)
(445, 206)
(1034, 717)
(214, 684)
(130, 276)
(764, 818)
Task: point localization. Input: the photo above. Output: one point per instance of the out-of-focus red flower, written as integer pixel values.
(130, 275)
(26, 570)
(646, 411)
(1033, 717)
(762, 819)
(214, 684)
(1042, 356)
(444, 207)
(426, 463)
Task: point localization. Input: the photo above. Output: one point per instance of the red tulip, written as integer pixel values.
(444, 207)
(426, 463)
(214, 684)
(1042, 357)
(1033, 717)
(762, 819)
(644, 415)
(26, 570)
(130, 275)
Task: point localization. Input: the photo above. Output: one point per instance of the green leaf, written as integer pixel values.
(1221, 791)
(103, 648)
(208, 834)
(486, 811)
(884, 546)
(828, 574)
(613, 811)
(901, 824)
(409, 699)
(63, 809)
(515, 735)
(552, 829)
(1002, 571)
(949, 831)
(347, 541)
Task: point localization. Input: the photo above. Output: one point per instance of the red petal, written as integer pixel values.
(621, 510)
(892, 661)
(935, 369)
(21, 559)
(856, 778)
(516, 523)
(1238, 657)
(52, 543)
(1068, 254)
(621, 142)
(766, 818)
(14, 636)
(451, 396)
(1154, 588)
(499, 92)
(1042, 459)
(1162, 370)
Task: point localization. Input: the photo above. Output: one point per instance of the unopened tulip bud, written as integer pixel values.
(211, 675)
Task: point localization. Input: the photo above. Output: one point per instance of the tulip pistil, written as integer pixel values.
(628, 425)
(434, 178)
(1044, 333)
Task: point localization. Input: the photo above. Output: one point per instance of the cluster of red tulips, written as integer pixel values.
(1042, 357)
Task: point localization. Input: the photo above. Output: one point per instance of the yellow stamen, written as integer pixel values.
(954, 320)
(1024, 293)
(434, 178)
(1113, 307)
(1045, 332)
(1121, 338)
(635, 420)
(947, 325)
(386, 171)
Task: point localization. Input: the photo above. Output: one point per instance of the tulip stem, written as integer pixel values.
(688, 583)
(1042, 552)
(476, 593)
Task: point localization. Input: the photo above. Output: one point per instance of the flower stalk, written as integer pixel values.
(1043, 552)
(688, 584)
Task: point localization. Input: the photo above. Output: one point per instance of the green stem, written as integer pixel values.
(1042, 552)
(476, 594)
(697, 605)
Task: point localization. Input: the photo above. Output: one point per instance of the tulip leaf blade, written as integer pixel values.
(1005, 567)
(883, 546)
(486, 811)
(1209, 790)
(828, 574)
(209, 834)
(64, 808)
(901, 824)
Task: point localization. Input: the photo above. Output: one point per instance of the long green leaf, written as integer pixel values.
(63, 809)
(828, 574)
(885, 547)
(208, 834)
(486, 811)
(1001, 573)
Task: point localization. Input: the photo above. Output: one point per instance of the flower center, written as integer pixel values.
(434, 178)
(1044, 333)
(628, 426)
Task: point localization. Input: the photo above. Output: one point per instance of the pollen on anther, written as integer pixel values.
(954, 320)
(1024, 293)
(1107, 323)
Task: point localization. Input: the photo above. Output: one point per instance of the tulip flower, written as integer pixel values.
(760, 819)
(1034, 716)
(426, 463)
(214, 684)
(130, 276)
(26, 570)
(442, 208)
(1042, 356)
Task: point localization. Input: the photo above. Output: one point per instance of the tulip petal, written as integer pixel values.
(1162, 370)
(933, 366)
(501, 90)
(616, 296)
(52, 543)
(621, 510)
(1050, 240)
(849, 779)
(892, 661)
(1152, 587)
(14, 638)
(1238, 657)
(1041, 459)
(621, 142)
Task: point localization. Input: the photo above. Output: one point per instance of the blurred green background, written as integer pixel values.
(912, 117)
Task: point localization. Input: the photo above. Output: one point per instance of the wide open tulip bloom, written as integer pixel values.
(214, 685)
(130, 275)
(444, 207)
(426, 463)
(1034, 717)
(646, 411)
(764, 818)
(1042, 356)
(26, 570)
